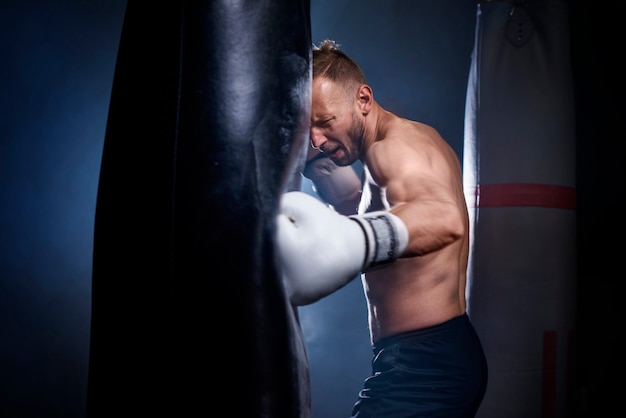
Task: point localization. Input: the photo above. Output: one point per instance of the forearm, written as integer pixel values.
(432, 225)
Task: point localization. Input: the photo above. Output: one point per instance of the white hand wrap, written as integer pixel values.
(386, 237)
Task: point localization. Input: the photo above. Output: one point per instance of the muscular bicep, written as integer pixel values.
(403, 175)
(422, 196)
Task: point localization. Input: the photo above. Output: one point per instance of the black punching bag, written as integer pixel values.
(208, 118)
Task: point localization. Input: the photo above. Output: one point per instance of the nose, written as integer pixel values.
(316, 139)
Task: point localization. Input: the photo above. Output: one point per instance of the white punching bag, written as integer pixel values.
(519, 178)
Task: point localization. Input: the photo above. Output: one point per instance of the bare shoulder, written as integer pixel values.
(428, 143)
(413, 161)
(422, 133)
(407, 145)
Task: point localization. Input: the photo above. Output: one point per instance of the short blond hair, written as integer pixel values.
(331, 63)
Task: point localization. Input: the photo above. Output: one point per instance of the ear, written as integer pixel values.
(365, 98)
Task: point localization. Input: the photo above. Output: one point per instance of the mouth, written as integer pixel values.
(333, 153)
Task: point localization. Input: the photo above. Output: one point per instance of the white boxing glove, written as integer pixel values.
(320, 251)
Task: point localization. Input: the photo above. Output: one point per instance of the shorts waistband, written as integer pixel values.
(392, 339)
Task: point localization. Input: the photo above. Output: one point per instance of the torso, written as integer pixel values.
(415, 292)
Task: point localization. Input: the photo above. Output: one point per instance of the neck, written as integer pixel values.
(375, 128)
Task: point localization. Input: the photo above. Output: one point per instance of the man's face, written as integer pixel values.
(336, 127)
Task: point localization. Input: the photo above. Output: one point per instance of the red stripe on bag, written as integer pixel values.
(521, 194)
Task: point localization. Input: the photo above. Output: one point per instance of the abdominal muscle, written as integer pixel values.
(414, 293)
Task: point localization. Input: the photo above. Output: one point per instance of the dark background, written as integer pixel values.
(57, 63)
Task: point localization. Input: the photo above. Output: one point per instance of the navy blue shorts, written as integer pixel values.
(439, 371)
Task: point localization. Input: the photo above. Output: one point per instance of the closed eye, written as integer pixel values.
(323, 123)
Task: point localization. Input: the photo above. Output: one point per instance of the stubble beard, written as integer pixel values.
(356, 135)
(352, 149)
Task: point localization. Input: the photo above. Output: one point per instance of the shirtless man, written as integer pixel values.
(409, 242)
